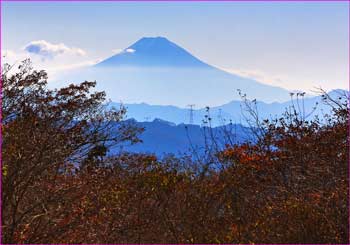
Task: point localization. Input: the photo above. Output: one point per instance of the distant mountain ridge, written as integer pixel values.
(225, 113)
(168, 132)
(161, 138)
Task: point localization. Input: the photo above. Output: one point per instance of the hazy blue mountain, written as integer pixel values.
(153, 52)
(162, 137)
(232, 111)
(171, 135)
(157, 71)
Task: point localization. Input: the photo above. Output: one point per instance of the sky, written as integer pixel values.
(297, 46)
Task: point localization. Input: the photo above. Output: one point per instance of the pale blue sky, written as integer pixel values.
(293, 45)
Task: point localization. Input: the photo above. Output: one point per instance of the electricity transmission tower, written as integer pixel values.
(191, 106)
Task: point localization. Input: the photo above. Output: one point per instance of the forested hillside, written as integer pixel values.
(59, 185)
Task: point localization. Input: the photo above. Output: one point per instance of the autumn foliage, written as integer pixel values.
(60, 185)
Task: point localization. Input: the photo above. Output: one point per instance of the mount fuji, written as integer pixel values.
(154, 52)
(157, 71)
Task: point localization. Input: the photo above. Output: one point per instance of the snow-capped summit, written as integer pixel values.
(153, 51)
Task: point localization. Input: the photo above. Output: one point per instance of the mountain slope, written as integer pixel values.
(162, 137)
(157, 71)
(153, 52)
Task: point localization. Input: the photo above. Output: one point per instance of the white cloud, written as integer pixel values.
(117, 50)
(292, 83)
(72, 66)
(65, 61)
(49, 50)
(258, 76)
